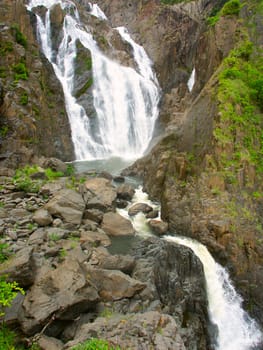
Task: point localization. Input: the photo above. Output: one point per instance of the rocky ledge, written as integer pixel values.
(56, 241)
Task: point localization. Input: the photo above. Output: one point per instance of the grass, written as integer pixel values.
(95, 344)
(230, 8)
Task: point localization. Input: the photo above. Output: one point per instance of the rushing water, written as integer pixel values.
(235, 329)
(191, 81)
(125, 100)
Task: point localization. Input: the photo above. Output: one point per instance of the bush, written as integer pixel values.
(19, 37)
(21, 72)
(8, 291)
(232, 7)
(95, 344)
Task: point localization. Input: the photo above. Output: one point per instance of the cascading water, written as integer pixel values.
(236, 330)
(191, 81)
(126, 101)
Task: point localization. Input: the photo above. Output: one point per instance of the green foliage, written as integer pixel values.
(21, 72)
(54, 237)
(19, 37)
(95, 344)
(4, 130)
(240, 95)
(23, 182)
(5, 47)
(232, 7)
(7, 338)
(70, 170)
(3, 72)
(8, 291)
(4, 252)
(88, 63)
(24, 99)
(51, 174)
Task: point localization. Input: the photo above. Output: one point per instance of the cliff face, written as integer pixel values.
(207, 170)
(33, 119)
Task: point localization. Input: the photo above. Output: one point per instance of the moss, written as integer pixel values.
(5, 47)
(20, 38)
(24, 99)
(84, 88)
(21, 71)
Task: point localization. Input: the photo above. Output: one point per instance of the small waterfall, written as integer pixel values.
(126, 101)
(236, 330)
(191, 81)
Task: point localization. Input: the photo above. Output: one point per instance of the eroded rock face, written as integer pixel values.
(150, 330)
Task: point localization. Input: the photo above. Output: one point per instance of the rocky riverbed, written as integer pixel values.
(75, 289)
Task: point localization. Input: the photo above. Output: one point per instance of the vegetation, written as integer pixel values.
(95, 344)
(5, 47)
(230, 8)
(21, 72)
(24, 99)
(4, 252)
(19, 37)
(239, 131)
(84, 88)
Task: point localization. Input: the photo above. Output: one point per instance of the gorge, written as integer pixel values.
(201, 159)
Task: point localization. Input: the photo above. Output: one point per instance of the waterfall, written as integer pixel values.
(191, 81)
(236, 330)
(125, 100)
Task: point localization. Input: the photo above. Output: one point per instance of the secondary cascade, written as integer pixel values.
(125, 99)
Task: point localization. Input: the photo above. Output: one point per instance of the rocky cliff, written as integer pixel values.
(33, 120)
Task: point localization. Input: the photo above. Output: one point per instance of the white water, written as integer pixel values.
(139, 221)
(191, 81)
(125, 100)
(236, 330)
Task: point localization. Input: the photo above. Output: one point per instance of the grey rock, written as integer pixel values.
(125, 192)
(68, 205)
(158, 226)
(42, 217)
(139, 207)
(116, 225)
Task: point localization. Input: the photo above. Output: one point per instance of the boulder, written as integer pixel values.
(55, 164)
(49, 343)
(95, 238)
(139, 207)
(68, 205)
(158, 226)
(21, 267)
(112, 284)
(42, 217)
(102, 191)
(149, 330)
(62, 293)
(125, 192)
(116, 225)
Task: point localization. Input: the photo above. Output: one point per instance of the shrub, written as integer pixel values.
(19, 37)
(24, 99)
(95, 344)
(232, 7)
(21, 72)
(8, 291)
(4, 252)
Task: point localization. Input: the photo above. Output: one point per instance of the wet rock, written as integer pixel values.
(158, 226)
(68, 205)
(55, 164)
(42, 217)
(139, 207)
(95, 238)
(116, 225)
(125, 192)
(152, 214)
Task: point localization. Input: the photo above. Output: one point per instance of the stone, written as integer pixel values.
(42, 217)
(95, 237)
(68, 205)
(124, 263)
(20, 268)
(125, 192)
(55, 164)
(139, 207)
(49, 343)
(64, 292)
(158, 226)
(38, 237)
(116, 225)
(152, 214)
(112, 284)
(102, 191)
(149, 330)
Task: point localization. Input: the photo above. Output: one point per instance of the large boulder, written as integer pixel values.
(21, 267)
(42, 217)
(112, 284)
(150, 330)
(101, 193)
(68, 205)
(139, 207)
(62, 293)
(116, 225)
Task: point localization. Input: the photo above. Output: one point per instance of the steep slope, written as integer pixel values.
(33, 120)
(207, 171)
